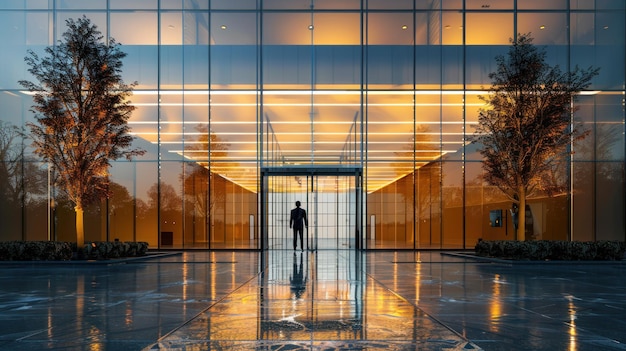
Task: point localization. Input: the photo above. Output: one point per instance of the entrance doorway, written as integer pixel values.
(331, 197)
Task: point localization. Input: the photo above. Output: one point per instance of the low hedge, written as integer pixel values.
(36, 251)
(102, 250)
(552, 250)
(65, 251)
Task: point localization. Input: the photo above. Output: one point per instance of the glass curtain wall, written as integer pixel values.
(227, 88)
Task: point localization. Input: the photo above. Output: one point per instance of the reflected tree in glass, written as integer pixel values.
(22, 183)
(207, 149)
(424, 153)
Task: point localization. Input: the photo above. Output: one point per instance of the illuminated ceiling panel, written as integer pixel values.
(301, 128)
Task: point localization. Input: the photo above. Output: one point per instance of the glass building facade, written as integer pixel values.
(360, 109)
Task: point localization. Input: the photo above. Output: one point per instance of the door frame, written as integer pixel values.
(310, 170)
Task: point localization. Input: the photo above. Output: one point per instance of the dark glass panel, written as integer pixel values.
(609, 197)
(583, 201)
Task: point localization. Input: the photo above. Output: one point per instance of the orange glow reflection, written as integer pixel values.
(495, 307)
(128, 314)
(573, 337)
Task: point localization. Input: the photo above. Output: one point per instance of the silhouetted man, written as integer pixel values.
(298, 222)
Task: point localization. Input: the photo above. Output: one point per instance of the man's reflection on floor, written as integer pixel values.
(298, 278)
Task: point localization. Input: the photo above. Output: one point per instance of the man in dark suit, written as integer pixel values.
(298, 222)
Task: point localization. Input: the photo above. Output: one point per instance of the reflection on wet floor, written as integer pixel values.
(313, 300)
(325, 300)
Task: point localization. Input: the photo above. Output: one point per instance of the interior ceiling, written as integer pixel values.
(303, 128)
(322, 125)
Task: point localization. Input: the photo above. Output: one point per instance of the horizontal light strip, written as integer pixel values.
(236, 104)
(317, 92)
(356, 92)
(302, 122)
(409, 133)
(308, 142)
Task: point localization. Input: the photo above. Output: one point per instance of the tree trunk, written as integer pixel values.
(80, 230)
(521, 216)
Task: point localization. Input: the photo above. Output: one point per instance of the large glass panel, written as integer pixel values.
(170, 200)
(22, 31)
(12, 180)
(476, 224)
(405, 213)
(390, 28)
(452, 125)
(138, 34)
(197, 205)
(133, 4)
(122, 204)
(452, 204)
(336, 28)
(196, 36)
(582, 28)
(610, 51)
(390, 50)
(582, 4)
(450, 28)
(37, 209)
(545, 27)
(232, 138)
(146, 193)
(609, 4)
(307, 4)
(97, 18)
(489, 5)
(135, 28)
(390, 141)
(487, 28)
(480, 62)
(82, 4)
(397, 4)
(582, 228)
(610, 201)
(542, 5)
(171, 28)
(609, 127)
(24, 4)
(428, 208)
(223, 4)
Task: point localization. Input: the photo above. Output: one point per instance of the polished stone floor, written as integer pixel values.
(323, 300)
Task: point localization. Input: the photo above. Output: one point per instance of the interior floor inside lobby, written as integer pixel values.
(312, 300)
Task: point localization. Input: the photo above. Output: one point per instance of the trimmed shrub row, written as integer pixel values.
(65, 251)
(552, 250)
(36, 251)
(102, 250)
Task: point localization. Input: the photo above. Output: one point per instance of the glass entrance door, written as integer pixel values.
(330, 200)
